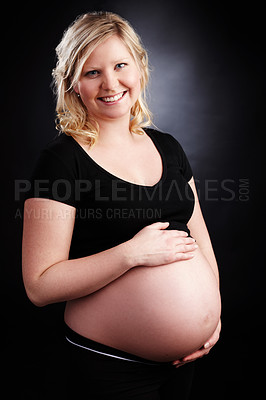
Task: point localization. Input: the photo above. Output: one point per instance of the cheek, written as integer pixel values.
(134, 82)
(88, 91)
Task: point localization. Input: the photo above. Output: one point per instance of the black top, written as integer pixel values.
(110, 210)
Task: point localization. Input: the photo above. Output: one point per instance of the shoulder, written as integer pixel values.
(61, 154)
(166, 140)
(53, 176)
(172, 150)
(56, 159)
(62, 146)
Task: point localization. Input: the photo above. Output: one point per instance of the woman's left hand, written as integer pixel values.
(203, 351)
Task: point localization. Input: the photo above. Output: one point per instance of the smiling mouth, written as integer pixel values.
(112, 99)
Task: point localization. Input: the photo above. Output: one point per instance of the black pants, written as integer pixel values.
(95, 376)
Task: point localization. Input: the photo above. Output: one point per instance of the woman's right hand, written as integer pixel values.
(154, 245)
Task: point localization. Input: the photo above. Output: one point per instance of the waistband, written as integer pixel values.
(88, 344)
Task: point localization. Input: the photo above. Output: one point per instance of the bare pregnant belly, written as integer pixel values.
(159, 313)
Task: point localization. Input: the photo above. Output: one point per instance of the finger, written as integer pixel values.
(159, 225)
(184, 256)
(212, 341)
(214, 338)
(181, 363)
(177, 233)
(180, 238)
(194, 356)
(178, 362)
(184, 248)
(188, 240)
(219, 327)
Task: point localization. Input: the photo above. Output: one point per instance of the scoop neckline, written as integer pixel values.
(106, 172)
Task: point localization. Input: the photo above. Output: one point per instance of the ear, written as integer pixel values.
(76, 89)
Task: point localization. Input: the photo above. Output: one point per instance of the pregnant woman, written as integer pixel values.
(113, 227)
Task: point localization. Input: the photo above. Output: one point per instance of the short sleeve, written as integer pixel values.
(183, 162)
(52, 179)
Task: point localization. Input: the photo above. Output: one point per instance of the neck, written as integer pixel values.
(114, 132)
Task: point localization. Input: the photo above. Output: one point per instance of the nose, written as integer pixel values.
(109, 80)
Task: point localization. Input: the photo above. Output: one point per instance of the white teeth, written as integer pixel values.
(113, 98)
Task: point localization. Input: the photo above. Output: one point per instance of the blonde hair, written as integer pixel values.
(78, 42)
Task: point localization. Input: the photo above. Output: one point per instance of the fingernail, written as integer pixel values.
(207, 345)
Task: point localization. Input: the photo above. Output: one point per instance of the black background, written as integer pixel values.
(207, 89)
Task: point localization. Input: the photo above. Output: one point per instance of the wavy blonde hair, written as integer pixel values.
(78, 42)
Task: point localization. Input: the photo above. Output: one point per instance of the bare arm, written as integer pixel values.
(199, 231)
(49, 276)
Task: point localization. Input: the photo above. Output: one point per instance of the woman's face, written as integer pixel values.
(109, 84)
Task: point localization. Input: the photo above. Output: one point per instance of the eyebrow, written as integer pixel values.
(121, 60)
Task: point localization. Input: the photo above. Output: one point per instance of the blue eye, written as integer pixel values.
(120, 65)
(92, 74)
